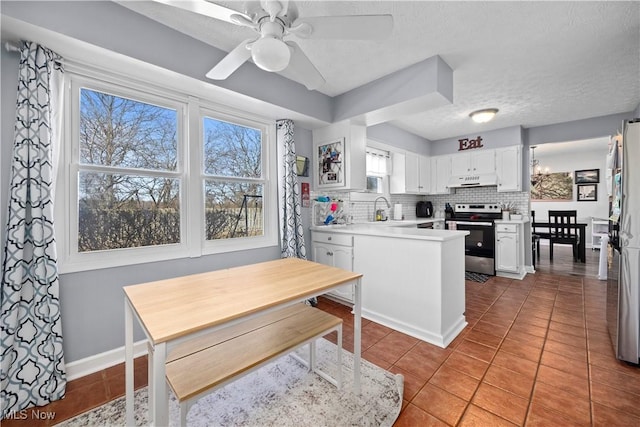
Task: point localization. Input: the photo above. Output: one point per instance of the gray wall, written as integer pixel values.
(92, 301)
(595, 127)
(491, 139)
(400, 138)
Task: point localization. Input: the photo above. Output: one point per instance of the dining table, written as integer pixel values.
(174, 310)
(581, 231)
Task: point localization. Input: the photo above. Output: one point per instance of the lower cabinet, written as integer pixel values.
(336, 250)
(510, 250)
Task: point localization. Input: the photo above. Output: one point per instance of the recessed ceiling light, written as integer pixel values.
(483, 116)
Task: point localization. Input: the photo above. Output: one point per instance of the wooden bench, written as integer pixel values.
(201, 365)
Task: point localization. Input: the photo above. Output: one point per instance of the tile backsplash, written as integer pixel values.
(362, 211)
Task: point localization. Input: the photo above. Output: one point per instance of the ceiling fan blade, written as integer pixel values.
(301, 69)
(231, 62)
(274, 8)
(204, 7)
(355, 27)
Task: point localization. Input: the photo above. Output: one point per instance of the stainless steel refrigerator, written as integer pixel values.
(623, 276)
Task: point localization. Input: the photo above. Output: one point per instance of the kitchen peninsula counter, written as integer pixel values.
(413, 278)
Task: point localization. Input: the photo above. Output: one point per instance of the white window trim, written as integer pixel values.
(190, 173)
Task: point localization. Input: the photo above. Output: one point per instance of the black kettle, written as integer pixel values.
(424, 209)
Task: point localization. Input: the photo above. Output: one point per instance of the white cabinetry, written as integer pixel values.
(599, 229)
(510, 250)
(473, 163)
(339, 157)
(410, 174)
(440, 175)
(335, 250)
(509, 168)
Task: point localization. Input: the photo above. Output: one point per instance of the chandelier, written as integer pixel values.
(536, 172)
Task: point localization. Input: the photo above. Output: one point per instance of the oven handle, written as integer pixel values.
(483, 224)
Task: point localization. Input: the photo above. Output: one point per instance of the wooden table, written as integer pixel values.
(173, 310)
(582, 231)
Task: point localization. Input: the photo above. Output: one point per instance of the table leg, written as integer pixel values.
(357, 329)
(128, 362)
(158, 394)
(582, 246)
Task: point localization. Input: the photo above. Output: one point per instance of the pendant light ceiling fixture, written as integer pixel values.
(483, 116)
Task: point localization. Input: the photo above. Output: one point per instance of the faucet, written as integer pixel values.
(375, 202)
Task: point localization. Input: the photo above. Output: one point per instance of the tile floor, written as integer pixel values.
(536, 352)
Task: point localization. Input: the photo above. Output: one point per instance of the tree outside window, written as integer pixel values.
(234, 184)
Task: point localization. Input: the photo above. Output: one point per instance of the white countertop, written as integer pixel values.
(406, 229)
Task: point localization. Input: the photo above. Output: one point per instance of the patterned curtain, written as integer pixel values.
(291, 230)
(32, 371)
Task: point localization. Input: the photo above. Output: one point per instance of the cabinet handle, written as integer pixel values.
(329, 238)
(329, 253)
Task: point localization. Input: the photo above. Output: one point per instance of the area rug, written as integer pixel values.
(282, 393)
(476, 277)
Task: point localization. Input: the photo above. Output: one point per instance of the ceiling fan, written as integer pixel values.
(275, 20)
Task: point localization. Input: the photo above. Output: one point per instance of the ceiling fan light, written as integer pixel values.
(270, 54)
(483, 116)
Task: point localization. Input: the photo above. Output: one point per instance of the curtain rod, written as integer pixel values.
(11, 47)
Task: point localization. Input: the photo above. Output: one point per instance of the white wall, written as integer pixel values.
(569, 157)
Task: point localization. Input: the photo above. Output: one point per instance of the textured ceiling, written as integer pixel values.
(540, 63)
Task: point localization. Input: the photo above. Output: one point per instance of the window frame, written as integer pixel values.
(190, 173)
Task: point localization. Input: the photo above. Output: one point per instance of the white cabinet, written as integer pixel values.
(440, 175)
(599, 229)
(473, 163)
(509, 251)
(507, 248)
(335, 250)
(339, 157)
(509, 168)
(410, 174)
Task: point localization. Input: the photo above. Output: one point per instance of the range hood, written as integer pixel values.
(483, 180)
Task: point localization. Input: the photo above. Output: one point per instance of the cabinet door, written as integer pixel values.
(461, 164)
(412, 173)
(322, 253)
(398, 178)
(508, 168)
(483, 162)
(440, 174)
(424, 174)
(507, 253)
(335, 256)
(477, 162)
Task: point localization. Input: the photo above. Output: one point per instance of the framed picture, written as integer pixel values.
(329, 164)
(588, 176)
(587, 192)
(552, 187)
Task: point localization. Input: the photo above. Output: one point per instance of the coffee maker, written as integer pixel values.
(424, 209)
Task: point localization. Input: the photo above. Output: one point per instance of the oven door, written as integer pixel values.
(479, 246)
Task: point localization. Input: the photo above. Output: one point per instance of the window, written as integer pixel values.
(149, 174)
(128, 184)
(376, 169)
(233, 180)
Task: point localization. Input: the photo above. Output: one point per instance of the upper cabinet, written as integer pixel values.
(410, 174)
(440, 174)
(339, 157)
(416, 174)
(473, 163)
(509, 168)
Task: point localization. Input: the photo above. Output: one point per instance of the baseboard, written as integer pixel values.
(89, 365)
